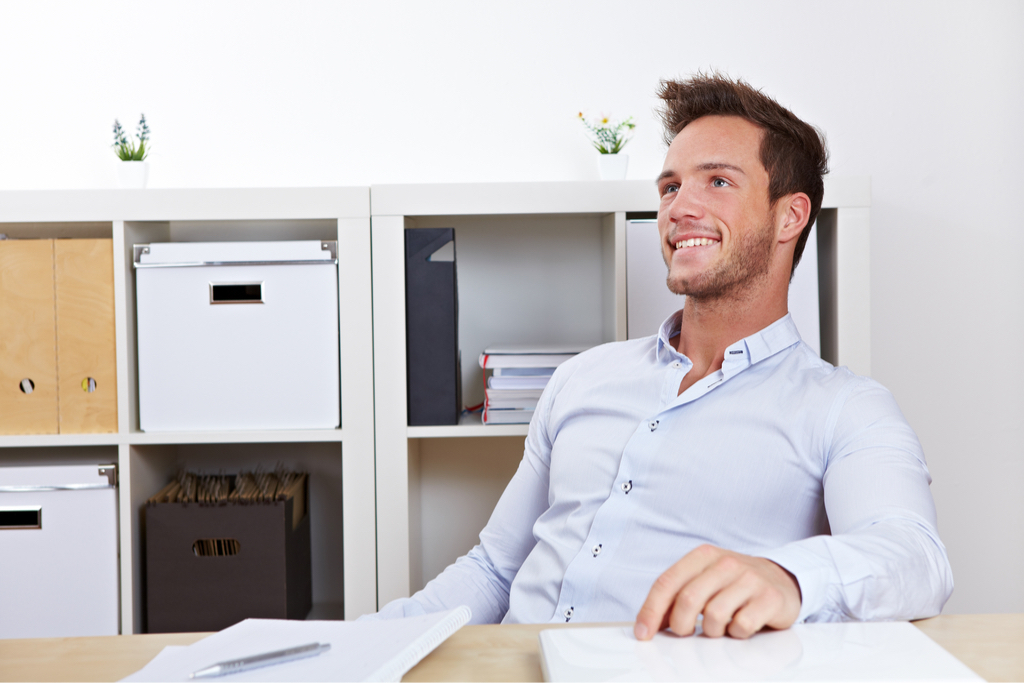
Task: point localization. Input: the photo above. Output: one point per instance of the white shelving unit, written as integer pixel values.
(341, 461)
(392, 504)
(542, 263)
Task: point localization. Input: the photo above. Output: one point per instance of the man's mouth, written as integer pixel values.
(695, 242)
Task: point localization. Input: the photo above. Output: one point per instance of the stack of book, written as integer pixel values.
(519, 375)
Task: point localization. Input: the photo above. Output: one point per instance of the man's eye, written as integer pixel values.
(720, 182)
(668, 189)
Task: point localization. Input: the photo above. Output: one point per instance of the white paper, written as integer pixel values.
(359, 649)
(824, 652)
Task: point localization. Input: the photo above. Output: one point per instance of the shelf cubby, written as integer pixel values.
(536, 263)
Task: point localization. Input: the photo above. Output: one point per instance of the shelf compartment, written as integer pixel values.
(530, 279)
(151, 466)
(454, 485)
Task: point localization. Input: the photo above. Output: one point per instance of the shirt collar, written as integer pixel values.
(764, 343)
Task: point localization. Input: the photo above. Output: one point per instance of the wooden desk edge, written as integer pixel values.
(990, 644)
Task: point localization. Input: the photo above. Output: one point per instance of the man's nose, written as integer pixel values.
(684, 205)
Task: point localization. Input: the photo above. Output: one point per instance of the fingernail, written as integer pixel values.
(640, 631)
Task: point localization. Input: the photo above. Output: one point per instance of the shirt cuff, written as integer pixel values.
(813, 575)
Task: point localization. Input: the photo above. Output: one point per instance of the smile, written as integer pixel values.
(695, 242)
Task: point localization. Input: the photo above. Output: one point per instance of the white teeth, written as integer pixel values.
(694, 242)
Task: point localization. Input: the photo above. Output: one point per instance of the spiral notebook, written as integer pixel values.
(365, 650)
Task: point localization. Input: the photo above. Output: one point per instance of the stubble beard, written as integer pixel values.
(748, 265)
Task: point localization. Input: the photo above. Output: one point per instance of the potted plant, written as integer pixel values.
(133, 171)
(608, 138)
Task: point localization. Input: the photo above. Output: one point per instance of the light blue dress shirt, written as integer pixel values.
(778, 455)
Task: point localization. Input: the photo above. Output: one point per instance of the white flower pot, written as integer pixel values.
(132, 175)
(613, 166)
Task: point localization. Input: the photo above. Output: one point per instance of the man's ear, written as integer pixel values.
(794, 210)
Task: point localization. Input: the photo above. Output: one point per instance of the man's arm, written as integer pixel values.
(883, 561)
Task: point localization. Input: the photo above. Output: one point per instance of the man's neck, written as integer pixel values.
(709, 327)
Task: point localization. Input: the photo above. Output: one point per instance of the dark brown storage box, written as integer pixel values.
(270, 576)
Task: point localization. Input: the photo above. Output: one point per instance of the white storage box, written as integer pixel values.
(58, 544)
(237, 335)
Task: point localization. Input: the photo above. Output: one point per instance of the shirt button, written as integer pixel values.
(627, 486)
(653, 424)
(677, 365)
(568, 614)
(596, 550)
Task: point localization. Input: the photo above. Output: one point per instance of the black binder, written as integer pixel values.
(432, 328)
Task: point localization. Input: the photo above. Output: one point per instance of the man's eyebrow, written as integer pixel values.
(719, 166)
(664, 174)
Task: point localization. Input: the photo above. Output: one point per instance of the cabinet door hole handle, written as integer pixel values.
(216, 547)
(27, 517)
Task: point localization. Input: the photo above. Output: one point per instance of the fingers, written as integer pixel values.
(695, 596)
(737, 594)
(754, 615)
(742, 608)
(656, 611)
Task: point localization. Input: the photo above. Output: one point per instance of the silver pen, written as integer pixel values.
(266, 659)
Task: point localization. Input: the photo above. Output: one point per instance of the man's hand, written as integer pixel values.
(736, 593)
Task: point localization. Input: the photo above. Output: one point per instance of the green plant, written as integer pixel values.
(609, 137)
(126, 149)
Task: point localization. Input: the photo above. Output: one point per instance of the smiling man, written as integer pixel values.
(718, 469)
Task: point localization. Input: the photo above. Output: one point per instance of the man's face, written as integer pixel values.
(715, 221)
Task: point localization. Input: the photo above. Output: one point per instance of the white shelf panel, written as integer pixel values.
(469, 426)
(23, 440)
(40, 206)
(467, 199)
(144, 438)
(263, 436)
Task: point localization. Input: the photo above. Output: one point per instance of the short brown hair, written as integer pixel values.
(793, 152)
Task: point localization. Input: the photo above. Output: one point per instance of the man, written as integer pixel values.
(719, 469)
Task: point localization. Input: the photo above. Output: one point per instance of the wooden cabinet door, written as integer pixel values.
(28, 351)
(86, 366)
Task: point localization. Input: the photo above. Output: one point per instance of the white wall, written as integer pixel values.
(925, 97)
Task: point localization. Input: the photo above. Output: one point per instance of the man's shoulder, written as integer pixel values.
(840, 387)
(607, 357)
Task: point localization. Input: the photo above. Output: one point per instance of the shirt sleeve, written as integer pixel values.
(883, 559)
(482, 579)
